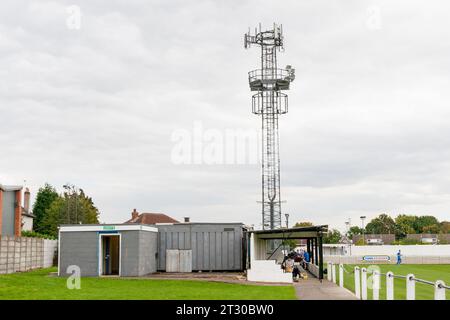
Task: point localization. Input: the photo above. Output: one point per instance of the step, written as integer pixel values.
(266, 264)
(259, 276)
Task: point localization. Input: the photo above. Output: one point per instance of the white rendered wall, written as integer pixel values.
(49, 252)
(391, 250)
(27, 223)
(267, 271)
(262, 270)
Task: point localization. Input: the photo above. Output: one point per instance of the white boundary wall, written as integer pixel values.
(405, 260)
(440, 250)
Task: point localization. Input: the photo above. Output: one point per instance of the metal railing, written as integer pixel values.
(361, 282)
(273, 74)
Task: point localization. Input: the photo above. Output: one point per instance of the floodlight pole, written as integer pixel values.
(363, 230)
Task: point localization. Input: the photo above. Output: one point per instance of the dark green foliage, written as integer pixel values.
(406, 224)
(303, 224)
(73, 206)
(427, 224)
(383, 224)
(291, 243)
(332, 236)
(44, 198)
(402, 225)
(33, 234)
(355, 230)
(445, 226)
(406, 241)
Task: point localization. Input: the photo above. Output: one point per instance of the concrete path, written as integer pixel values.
(226, 277)
(313, 289)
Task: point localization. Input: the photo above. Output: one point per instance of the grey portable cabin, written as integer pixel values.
(212, 246)
(107, 249)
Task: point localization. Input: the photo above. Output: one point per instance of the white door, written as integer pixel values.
(185, 260)
(172, 260)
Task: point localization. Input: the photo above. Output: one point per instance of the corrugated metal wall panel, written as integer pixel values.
(212, 251)
(214, 246)
(172, 260)
(224, 250)
(194, 250)
(218, 238)
(230, 250)
(185, 260)
(206, 251)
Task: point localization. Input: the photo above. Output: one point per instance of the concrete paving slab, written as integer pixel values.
(313, 289)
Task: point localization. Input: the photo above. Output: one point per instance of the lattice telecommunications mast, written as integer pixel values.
(269, 102)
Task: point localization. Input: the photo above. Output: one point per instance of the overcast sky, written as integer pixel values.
(96, 99)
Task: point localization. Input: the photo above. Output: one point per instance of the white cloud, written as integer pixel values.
(367, 129)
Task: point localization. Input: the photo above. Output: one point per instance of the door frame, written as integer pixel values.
(100, 252)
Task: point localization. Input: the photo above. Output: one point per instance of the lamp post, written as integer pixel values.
(363, 231)
(347, 225)
(347, 235)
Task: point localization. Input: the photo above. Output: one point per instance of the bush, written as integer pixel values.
(32, 234)
(405, 241)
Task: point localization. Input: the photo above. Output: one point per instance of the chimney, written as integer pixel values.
(26, 200)
(186, 219)
(134, 214)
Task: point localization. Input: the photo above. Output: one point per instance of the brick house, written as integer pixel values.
(421, 237)
(150, 218)
(13, 217)
(384, 238)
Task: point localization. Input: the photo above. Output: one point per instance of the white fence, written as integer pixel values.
(440, 250)
(362, 285)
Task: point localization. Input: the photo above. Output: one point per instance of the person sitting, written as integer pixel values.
(298, 258)
(289, 265)
(283, 264)
(295, 273)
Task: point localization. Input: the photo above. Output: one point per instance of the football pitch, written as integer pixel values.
(430, 272)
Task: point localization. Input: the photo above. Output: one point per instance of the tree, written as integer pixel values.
(332, 236)
(406, 224)
(44, 198)
(381, 225)
(355, 230)
(53, 216)
(291, 243)
(425, 223)
(72, 207)
(433, 229)
(445, 226)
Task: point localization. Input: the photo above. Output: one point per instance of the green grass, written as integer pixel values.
(430, 272)
(37, 285)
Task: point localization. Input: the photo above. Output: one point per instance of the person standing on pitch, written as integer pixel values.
(399, 257)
